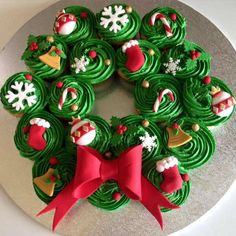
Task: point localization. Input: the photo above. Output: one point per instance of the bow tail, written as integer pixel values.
(62, 205)
(153, 199)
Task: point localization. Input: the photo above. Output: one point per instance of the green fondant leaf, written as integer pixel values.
(44, 45)
(115, 121)
(204, 57)
(31, 39)
(116, 139)
(188, 46)
(53, 53)
(191, 64)
(59, 46)
(55, 172)
(27, 54)
(58, 182)
(133, 129)
(63, 55)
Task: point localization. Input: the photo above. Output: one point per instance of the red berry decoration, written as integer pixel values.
(53, 178)
(34, 46)
(175, 126)
(53, 161)
(92, 54)
(116, 196)
(57, 51)
(185, 177)
(173, 17)
(83, 15)
(121, 129)
(28, 77)
(26, 129)
(206, 80)
(59, 84)
(197, 54)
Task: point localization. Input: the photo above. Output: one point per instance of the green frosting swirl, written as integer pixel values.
(151, 64)
(65, 167)
(38, 67)
(96, 70)
(131, 139)
(102, 198)
(102, 139)
(198, 100)
(196, 152)
(53, 136)
(178, 197)
(85, 27)
(146, 97)
(40, 93)
(198, 67)
(127, 32)
(156, 34)
(84, 100)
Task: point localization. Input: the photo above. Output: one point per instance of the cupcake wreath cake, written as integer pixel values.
(147, 157)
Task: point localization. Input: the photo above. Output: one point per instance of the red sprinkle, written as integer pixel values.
(28, 77)
(206, 80)
(92, 54)
(83, 15)
(53, 178)
(116, 196)
(175, 126)
(173, 17)
(59, 84)
(53, 161)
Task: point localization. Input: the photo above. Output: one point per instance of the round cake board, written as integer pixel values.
(115, 98)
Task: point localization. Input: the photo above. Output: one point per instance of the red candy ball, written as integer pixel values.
(92, 54)
(28, 77)
(116, 196)
(206, 80)
(185, 177)
(173, 17)
(53, 161)
(59, 84)
(83, 15)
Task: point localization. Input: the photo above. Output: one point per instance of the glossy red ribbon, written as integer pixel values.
(92, 171)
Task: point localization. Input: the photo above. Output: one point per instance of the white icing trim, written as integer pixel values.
(166, 163)
(129, 44)
(40, 122)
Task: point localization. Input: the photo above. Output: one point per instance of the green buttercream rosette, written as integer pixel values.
(197, 100)
(151, 64)
(198, 151)
(24, 93)
(53, 135)
(85, 25)
(64, 166)
(156, 33)
(102, 139)
(146, 97)
(185, 61)
(118, 31)
(70, 97)
(50, 49)
(178, 197)
(98, 58)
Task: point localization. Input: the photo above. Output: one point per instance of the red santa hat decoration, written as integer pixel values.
(83, 132)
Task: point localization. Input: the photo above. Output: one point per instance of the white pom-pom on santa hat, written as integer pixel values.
(65, 23)
(83, 132)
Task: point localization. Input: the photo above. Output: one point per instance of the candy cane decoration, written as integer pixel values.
(64, 96)
(167, 92)
(157, 16)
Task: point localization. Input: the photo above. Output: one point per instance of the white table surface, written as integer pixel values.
(219, 221)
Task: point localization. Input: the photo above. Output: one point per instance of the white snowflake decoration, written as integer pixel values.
(80, 64)
(21, 94)
(172, 66)
(148, 141)
(119, 16)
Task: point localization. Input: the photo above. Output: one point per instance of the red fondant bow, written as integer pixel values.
(92, 171)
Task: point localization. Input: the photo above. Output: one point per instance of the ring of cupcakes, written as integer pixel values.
(51, 174)
(190, 141)
(45, 56)
(134, 130)
(74, 23)
(38, 134)
(70, 97)
(209, 100)
(185, 61)
(109, 197)
(137, 58)
(100, 141)
(157, 97)
(23, 93)
(164, 27)
(118, 23)
(92, 60)
(164, 173)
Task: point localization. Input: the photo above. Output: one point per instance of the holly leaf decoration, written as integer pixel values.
(116, 139)
(115, 121)
(204, 57)
(58, 182)
(191, 64)
(133, 130)
(53, 53)
(26, 55)
(62, 55)
(188, 46)
(59, 46)
(55, 172)
(31, 39)
(44, 45)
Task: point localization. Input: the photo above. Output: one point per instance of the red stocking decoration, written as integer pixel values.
(36, 132)
(135, 57)
(172, 180)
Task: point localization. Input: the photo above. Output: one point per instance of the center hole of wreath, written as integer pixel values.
(114, 98)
